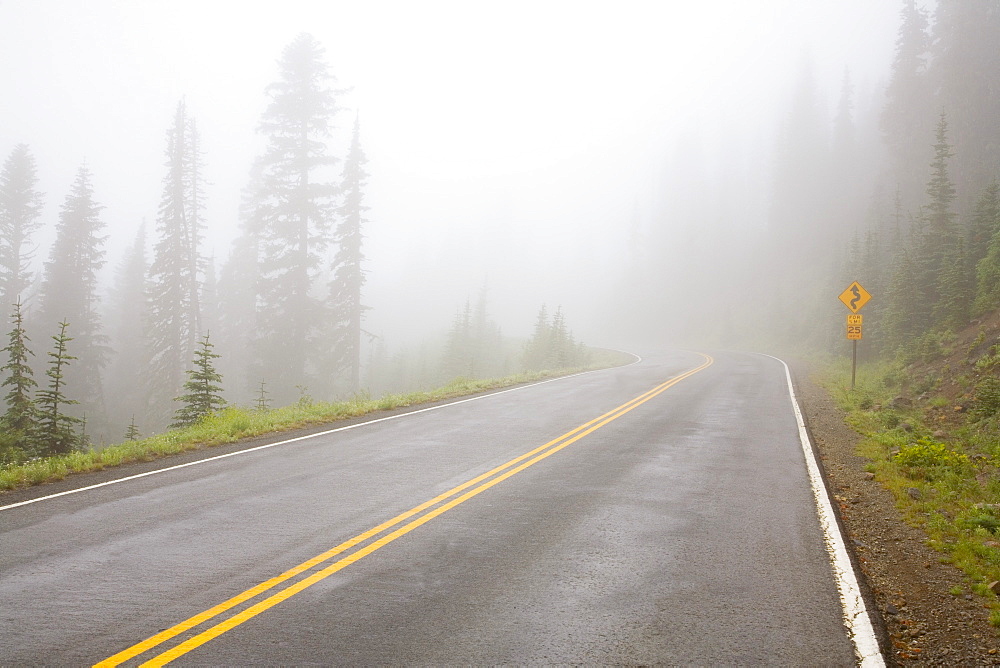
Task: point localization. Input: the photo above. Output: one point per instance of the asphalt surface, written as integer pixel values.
(683, 531)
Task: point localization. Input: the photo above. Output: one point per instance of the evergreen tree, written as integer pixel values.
(124, 379)
(132, 433)
(348, 274)
(209, 295)
(487, 341)
(295, 212)
(458, 360)
(20, 206)
(561, 344)
(801, 176)
(905, 119)
(262, 403)
(843, 122)
(21, 417)
(956, 288)
(535, 351)
(902, 313)
(57, 430)
(984, 223)
(965, 73)
(70, 288)
(987, 216)
(474, 347)
(552, 345)
(938, 233)
(203, 390)
(174, 315)
(239, 281)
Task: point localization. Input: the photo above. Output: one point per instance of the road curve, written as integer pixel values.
(654, 513)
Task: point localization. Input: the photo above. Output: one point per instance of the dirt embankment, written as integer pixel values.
(929, 616)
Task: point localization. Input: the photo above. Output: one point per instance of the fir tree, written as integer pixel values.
(965, 75)
(70, 289)
(987, 216)
(458, 359)
(132, 433)
(20, 206)
(938, 234)
(984, 223)
(203, 390)
(561, 344)
(239, 281)
(474, 345)
(902, 311)
(57, 430)
(552, 345)
(174, 315)
(348, 274)
(126, 389)
(262, 403)
(956, 288)
(21, 417)
(536, 350)
(905, 120)
(294, 210)
(487, 340)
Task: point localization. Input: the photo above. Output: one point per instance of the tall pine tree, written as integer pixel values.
(344, 301)
(938, 232)
(965, 73)
(905, 119)
(20, 206)
(986, 223)
(239, 281)
(70, 288)
(174, 315)
(124, 378)
(294, 208)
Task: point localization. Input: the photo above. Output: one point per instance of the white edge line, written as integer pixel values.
(302, 438)
(856, 615)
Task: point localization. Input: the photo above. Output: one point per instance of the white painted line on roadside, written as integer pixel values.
(301, 438)
(856, 615)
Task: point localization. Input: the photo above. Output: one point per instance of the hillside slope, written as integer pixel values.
(912, 457)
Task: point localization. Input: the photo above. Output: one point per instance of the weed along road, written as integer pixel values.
(660, 512)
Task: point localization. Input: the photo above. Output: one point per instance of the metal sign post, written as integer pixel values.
(854, 298)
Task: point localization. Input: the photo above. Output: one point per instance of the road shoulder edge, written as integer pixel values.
(862, 625)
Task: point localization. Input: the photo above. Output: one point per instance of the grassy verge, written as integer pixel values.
(234, 424)
(929, 442)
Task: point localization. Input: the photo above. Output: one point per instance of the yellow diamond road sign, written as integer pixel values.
(855, 296)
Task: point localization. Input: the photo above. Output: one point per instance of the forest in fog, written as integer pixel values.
(736, 238)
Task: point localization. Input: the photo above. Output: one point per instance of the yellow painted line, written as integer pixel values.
(509, 469)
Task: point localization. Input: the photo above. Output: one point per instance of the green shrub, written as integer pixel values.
(983, 520)
(890, 420)
(990, 360)
(929, 459)
(987, 398)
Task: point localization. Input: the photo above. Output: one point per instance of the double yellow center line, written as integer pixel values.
(416, 516)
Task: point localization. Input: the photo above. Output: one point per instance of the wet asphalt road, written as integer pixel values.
(682, 532)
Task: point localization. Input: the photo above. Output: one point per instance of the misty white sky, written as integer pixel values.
(508, 142)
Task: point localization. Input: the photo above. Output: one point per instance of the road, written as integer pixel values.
(655, 513)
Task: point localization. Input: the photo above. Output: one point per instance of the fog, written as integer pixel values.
(614, 159)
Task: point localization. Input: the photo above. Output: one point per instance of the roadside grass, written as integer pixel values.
(946, 484)
(235, 423)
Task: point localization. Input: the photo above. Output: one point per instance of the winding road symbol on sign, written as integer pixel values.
(855, 297)
(856, 291)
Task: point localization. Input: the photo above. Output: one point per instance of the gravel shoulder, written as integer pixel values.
(925, 623)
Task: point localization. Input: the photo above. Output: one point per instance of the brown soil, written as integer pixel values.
(924, 623)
